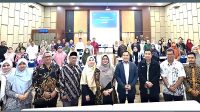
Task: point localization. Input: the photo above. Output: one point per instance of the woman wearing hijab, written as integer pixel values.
(18, 88)
(86, 54)
(189, 46)
(155, 53)
(107, 81)
(9, 55)
(91, 90)
(6, 71)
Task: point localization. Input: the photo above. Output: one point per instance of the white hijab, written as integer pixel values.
(4, 76)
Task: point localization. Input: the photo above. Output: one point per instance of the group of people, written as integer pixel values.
(96, 85)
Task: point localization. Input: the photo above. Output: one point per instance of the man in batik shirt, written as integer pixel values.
(70, 82)
(192, 81)
(46, 83)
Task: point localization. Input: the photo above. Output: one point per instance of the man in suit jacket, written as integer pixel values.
(126, 76)
(149, 75)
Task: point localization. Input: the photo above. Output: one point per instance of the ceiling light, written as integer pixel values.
(50, 3)
(159, 4)
(76, 8)
(139, 4)
(107, 8)
(134, 8)
(72, 4)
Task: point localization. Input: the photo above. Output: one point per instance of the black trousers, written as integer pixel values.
(107, 100)
(168, 97)
(149, 97)
(44, 104)
(130, 98)
(190, 97)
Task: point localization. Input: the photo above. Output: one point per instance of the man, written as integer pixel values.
(149, 75)
(96, 48)
(147, 45)
(195, 50)
(46, 83)
(126, 76)
(90, 47)
(181, 46)
(3, 50)
(121, 48)
(192, 81)
(32, 51)
(70, 82)
(80, 46)
(173, 74)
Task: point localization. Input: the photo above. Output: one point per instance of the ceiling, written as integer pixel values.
(104, 4)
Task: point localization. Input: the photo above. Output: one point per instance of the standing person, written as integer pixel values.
(160, 48)
(107, 81)
(86, 54)
(59, 56)
(136, 44)
(5, 72)
(121, 49)
(80, 46)
(63, 42)
(71, 43)
(20, 45)
(155, 53)
(126, 76)
(32, 51)
(90, 83)
(173, 74)
(20, 54)
(188, 46)
(169, 43)
(51, 46)
(176, 50)
(58, 44)
(149, 76)
(67, 48)
(195, 50)
(70, 82)
(19, 88)
(46, 83)
(191, 82)
(3, 50)
(115, 48)
(147, 45)
(90, 47)
(96, 48)
(181, 46)
(9, 55)
(136, 55)
(39, 56)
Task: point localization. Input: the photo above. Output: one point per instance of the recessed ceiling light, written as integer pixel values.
(76, 8)
(133, 8)
(58, 8)
(139, 4)
(50, 3)
(160, 4)
(72, 4)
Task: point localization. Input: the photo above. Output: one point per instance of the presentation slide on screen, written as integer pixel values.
(104, 26)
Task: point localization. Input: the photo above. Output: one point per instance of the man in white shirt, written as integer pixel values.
(126, 76)
(32, 51)
(173, 74)
(80, 45)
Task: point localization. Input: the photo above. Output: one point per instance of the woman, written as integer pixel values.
(60, 56)
(39, 57)
(86, 54)
(20, 45)
(155, 53)
(177, 51)
(9, 55)
(6, 71)
(106, 81)
(136, 55)
(169, 43)
(67, 48)
(18, 88)
(19, 55)
(189, 46)
(91, 93)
